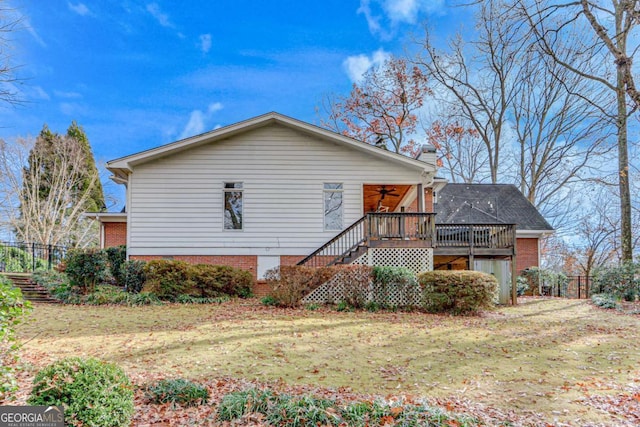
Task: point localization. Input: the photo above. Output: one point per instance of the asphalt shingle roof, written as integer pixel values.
(485, 204)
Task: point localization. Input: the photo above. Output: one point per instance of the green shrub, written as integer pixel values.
(457, 292)
(235, 405)
(522, 284)
(144, 298)
(269, 300)
(133, 276)
(621, 281)
(93, 392)
(303, 411)
(13, 309)
(217, 280)
(308, 410)
(188, 299)
(107, 294)
(167, 279)
(290, 283)
(86, 269)
(604, 301)
(343, 306)
(57, 284)
(116, 257)
(398, 281)
(180, 391)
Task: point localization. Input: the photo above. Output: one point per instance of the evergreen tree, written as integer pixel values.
(96, 201)
(60, 181)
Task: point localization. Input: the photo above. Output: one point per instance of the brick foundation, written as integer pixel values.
(291, 259)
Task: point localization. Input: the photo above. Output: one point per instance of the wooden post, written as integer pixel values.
(420, 198)
(514, 270)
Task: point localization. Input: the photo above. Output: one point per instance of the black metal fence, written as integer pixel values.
(575, 287)
(22, 257)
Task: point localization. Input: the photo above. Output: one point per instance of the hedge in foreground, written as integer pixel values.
(92, 392)
(169, 279)
(457, 292)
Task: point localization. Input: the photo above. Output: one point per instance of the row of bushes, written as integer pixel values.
(96, 393)
(360, 286)
(87, 274)
(285, 410)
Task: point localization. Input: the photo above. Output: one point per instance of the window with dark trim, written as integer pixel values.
(232, 205)
(333, 210)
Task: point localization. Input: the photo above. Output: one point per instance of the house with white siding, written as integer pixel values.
(273, 191)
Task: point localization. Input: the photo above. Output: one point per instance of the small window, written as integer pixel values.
(232, 206)
(333, 206)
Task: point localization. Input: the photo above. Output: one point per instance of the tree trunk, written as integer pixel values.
(623, 171)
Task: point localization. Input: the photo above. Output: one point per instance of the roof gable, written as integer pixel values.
(122, 165)
(488, 203)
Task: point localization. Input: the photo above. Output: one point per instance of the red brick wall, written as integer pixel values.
(261, 289)
(245, 262)
(115, 234)
(428, 199)
(526, 253)
(291, 259)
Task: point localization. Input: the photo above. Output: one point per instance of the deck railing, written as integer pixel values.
(372, 226)
(491, 236)
(24, 257)
(403, 226)
(410, 226)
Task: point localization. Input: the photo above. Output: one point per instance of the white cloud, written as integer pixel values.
(205, 43)
(80, 8)
(396, 12)
(355, 66)
(161, 17)
(198, 119)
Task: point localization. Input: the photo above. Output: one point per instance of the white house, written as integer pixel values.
(273, 190)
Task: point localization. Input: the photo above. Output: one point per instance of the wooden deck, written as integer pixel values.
(413, 230)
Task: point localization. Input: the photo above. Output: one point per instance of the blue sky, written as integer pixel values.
(136, 73)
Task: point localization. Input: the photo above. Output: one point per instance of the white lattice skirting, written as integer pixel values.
(415, 259)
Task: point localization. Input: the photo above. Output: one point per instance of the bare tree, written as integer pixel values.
(8, 25)
(382, 108)
(54, 217)
(478, 78)
(605, 28)
(463, 154)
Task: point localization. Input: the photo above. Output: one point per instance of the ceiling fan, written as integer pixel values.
(384, 191)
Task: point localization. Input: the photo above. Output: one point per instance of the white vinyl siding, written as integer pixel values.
(176, 205)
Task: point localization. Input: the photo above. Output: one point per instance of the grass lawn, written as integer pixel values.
(546, 356)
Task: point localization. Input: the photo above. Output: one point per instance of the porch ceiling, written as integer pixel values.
(373, 193)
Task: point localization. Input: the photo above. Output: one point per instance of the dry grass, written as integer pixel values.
(542, 356)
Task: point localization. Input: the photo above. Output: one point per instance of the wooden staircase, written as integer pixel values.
(30, 290)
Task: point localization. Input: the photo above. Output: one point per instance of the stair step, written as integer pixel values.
(30, 290)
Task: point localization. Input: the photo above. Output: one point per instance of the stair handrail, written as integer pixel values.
(340, 241)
